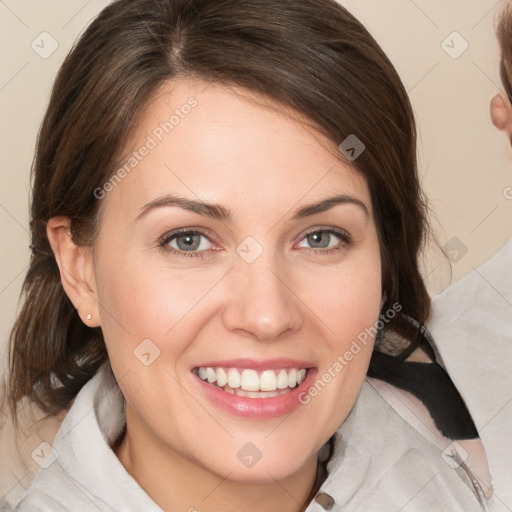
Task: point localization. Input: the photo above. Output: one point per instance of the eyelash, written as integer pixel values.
(346, 241)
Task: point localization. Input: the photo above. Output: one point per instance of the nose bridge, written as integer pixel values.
(262, 302)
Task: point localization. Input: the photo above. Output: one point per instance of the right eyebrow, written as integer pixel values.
(213, 210)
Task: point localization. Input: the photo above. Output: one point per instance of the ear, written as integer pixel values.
(501, 112)
(76, 270)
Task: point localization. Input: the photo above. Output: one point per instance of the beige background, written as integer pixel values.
(465, 163)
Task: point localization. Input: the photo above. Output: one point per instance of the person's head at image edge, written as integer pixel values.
(242, 104)
(501, 103)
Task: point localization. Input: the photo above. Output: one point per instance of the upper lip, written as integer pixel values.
(267, 364)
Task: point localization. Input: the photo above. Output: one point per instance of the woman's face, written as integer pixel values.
(270, 279)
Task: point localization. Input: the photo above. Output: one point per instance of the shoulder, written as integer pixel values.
(389, 464)
(74, 475)
(52, 491)
(472, 325)
(38, 502)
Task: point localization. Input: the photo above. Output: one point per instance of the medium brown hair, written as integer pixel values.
(310, 55)
(504, 34)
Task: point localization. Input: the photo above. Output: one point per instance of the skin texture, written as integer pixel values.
(295, 300)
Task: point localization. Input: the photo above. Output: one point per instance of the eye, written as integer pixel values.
(326, 240)
(186, 241)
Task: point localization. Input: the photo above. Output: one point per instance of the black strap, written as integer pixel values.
(432, 385)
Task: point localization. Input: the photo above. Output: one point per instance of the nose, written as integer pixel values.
(263, 304)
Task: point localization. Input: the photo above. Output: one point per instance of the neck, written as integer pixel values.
(176, 483)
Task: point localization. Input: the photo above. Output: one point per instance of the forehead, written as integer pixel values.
(231, 146)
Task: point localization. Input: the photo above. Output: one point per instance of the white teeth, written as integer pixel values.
(282, 380)
(292, 377)
(249, 383)
(259, 394)
(268, 381)
(211, 374)
(250, 380)
(222, 377)
(234, 379)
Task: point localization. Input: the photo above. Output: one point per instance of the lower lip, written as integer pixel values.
(257, 408)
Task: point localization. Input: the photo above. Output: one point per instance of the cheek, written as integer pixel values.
(345, 298)
(347, 301)
(141, 301)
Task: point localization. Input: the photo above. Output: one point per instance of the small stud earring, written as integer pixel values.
(89, 316)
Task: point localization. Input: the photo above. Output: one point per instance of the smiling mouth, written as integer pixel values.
(252, 383)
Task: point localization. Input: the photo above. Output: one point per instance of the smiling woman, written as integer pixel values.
(264, 242)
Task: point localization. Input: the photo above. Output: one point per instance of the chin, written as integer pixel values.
(256, 463)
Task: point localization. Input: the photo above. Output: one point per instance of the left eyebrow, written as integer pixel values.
(326, 204)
